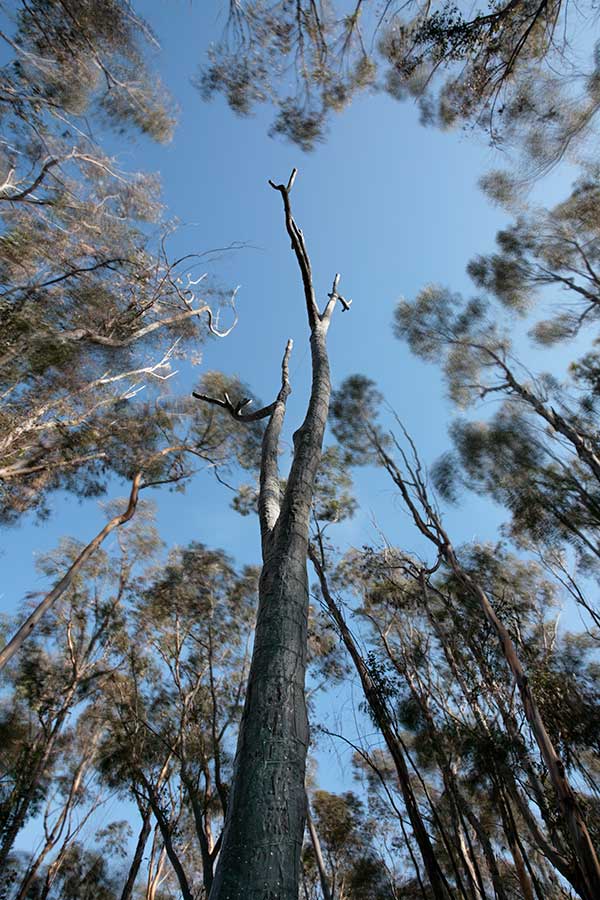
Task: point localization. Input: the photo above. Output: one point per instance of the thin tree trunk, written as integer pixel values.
(589, 881)
(316, 845)
(205, 848)
(24, 802)
(524, 881)
(167, 838)
(154, 878)
(486, 846)
(473, 877)
(554, 855)
(9, 650)
(54, 835)
(437, 880)
(138, 856)
(448, 778)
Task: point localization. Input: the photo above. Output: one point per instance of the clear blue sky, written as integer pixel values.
(388, 204)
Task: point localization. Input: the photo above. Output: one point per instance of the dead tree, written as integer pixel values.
(264, 826)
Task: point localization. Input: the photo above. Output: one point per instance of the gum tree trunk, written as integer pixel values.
(138, 856)
(264, 826)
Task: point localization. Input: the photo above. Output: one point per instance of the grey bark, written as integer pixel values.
(264, 825)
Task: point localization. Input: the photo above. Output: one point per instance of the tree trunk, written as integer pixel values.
(199, 822)
(25, 800)
(316, 845)
(55, 833)
(430, 526)
(264, 825)
(589, 867)
(138, 856)
(165, 828)
(439, 886)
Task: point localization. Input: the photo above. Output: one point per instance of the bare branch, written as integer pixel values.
(235, 409)
(299, 248)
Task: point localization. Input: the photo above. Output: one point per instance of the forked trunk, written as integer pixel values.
(264, 826)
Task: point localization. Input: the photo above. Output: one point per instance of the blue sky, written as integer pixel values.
(385, 202)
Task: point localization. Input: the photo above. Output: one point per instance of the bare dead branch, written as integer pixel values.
(299, 248)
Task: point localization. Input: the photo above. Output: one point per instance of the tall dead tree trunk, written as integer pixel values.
(264, 826)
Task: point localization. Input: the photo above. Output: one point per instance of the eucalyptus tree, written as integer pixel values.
(356, 426)
(347, 840)
(92, 309)
(74, 798)
(73, 57)
(510, 68)
(556, 248)
(262, 839)
(84, 874)
(62, 669)
(173, 711)
(451, 690)
(167, 449)
(538, 453)
(545, 259)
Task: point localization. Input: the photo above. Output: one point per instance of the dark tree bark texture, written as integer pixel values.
(264, 827)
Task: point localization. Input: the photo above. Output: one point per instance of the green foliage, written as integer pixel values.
(353, 411)
(84, 875)
(461, 335)
(333, 501)
(93, 311)
(346, 836)
(86, 54)
(262, 41)
(506, 68)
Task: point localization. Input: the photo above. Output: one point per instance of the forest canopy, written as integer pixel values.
(341, 642)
